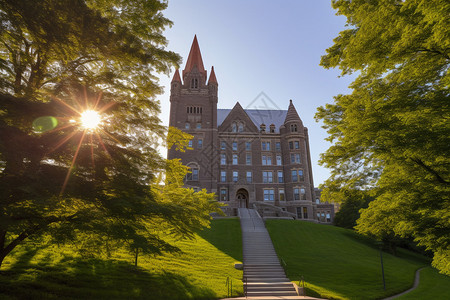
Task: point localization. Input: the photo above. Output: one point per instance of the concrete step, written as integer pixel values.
(267, 279)
(271, 293)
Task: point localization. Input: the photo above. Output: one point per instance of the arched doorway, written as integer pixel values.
(242, 198)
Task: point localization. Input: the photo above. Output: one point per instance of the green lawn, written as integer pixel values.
(200, 272)
(337, 263)
(432, 286)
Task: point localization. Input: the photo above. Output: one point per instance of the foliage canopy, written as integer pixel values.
(392, 133)
(56, 60)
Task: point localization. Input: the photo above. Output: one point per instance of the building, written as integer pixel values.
(248, 157)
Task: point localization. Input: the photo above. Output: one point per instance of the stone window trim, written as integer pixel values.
(194, 169)
(265, 146)
(299, 193)
(281, 196)
(235, 176)
(196, 110)
(269, 194)
(223, 194)
(237, 126)
(297, 175)
(267, 176)
(235, 159)
(248, 158)
(223, 176)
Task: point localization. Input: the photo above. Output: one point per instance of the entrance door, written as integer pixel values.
(242, 198)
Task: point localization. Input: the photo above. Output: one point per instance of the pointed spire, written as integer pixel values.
(176, 76)
(291, 114)
(212, 76)
(195, 59)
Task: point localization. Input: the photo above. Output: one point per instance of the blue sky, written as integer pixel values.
(263, 46)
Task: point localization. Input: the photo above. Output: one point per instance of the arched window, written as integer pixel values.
(194, 83)
(233, 127)
(241, 127)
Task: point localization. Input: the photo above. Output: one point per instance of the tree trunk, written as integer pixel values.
(136, 253)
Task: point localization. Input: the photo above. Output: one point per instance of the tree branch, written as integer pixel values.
(430, 170)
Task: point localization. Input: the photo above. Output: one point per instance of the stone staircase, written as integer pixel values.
(263, 274)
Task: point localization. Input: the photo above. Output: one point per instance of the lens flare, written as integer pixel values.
(90, 119)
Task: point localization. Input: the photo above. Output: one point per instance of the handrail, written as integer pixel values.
(229, 285)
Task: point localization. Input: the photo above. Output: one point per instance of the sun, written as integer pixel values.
(90, 119)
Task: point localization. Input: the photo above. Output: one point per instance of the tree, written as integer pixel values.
(56, 60)
(392, 132)
(352, 201)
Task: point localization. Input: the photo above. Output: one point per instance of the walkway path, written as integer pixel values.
(415, 285)
(264, 278)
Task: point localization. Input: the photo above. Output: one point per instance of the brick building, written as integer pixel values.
(248, 157)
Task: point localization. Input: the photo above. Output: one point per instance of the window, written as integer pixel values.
(293, 127)
(200, 144)
(297, 175)
(317, 201)
(281, 194)
(235, 159)
(297, 145)
(299, 212)
(296, 194)
(295, 158)
(272, 128)
(294, 176)
(194, 174)
(223, 176)
(277, 146)
(328, 217)
(305, 213)
(248, 146)
(300, 175)
(279, 163)
(223, 159)
(267, 177)
(303, 194)
(280, 176)
(223, 195)
(199, 125)
(223, 145)
(291, 145)
(194, 83)
(262, 128)
(233, 127)
(235, 146)
(241, 127)
(249, 177)
(248, 159)
(187, 125)
(235, 176)
(190, 144)
(265, 146)
(267, 160)
(269, 195)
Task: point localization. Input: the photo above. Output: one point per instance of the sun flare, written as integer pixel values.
(90, 119)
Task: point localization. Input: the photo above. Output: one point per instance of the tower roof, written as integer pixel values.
(176, 76)
(292, 114)
(195, 59)
(212, 76)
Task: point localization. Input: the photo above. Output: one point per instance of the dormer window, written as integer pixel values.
(272, 128)
(294, 128)
(194, 83)
(262, 128)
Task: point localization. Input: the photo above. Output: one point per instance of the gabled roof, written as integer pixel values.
(258, 117)
(195, 59)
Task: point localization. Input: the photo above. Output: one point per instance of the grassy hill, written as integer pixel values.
(337, 263)
(200, 272)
